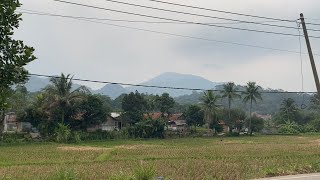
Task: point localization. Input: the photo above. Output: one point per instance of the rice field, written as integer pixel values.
(185, 158)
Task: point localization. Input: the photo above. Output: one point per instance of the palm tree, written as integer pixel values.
(210, 106)
(61, 94)
(251, 94)
(288, 108)
(230, 91)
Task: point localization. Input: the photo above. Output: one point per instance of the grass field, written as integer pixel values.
(185, 158)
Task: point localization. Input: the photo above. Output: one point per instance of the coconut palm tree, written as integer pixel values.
(61, 94)
(288, 108)
(210, 106)
(230, 92)
(251, 95)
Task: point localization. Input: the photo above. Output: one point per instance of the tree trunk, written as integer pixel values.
(62, 117)
(229, 109)
(2, 116)
(195, 128)
(250, 130)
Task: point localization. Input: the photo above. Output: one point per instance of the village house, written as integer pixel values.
(12, 125)
(176, 122)
(112, 123)
(226, 128)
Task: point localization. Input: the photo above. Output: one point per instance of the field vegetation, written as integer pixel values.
(183, 158)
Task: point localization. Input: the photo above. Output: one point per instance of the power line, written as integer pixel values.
(169, 19)
(108, 19)
(206, 16)
(160, 87)
(226, 12)
(172, 34)
(233, 13)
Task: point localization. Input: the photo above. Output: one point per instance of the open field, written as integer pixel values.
(186, 158)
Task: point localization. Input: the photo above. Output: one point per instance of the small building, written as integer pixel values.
(226, 128)
(264, 117)
(175, 122)
(12, 125)
(112, 123)
(178, 125)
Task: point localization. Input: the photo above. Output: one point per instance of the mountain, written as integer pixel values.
(168, 79)
(35, 84)
(171, 79)
(112, 90)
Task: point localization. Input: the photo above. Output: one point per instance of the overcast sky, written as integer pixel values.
(109, 53)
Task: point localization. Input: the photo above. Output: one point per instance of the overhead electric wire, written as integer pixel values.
(221, 11)
(172, 34)
(25, 11)
(169, 19)
(206, 16)
(233, 13)
(161, 87)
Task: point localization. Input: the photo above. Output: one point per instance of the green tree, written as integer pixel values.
(194, 116)
(165, 103)
(237, 117)
(210, 106)
(89, 112)
(288, 109)
(134, 105)
(257, 124)
(14, 55)
(61, 94)
(39, 115)
(230, 92)
(289, 127)
(251, 95)
(19, 101)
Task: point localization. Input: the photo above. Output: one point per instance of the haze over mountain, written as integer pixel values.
(35, 84)
(168, 79)
(112, 90)
(171, 79)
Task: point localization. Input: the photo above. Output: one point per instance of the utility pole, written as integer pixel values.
(313, 65)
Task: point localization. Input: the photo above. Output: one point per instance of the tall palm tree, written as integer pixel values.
(61, 94)
(210, 106)
(251, 95)
(288, 108)
(230, 91)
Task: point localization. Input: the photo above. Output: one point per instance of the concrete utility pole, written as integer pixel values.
(314, 69)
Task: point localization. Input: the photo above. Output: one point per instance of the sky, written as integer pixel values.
(104, 52)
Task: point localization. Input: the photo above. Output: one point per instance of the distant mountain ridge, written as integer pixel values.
(171, 79)
(168, 79)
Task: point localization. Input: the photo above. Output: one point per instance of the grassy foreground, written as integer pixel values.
(186, 158)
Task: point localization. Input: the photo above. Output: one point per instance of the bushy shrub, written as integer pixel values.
(144, 173)
(233, 134)
(62, 174)
(147, 129)
(289, 127)
(62, 133)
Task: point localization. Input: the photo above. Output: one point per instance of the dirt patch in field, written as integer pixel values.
(136, 146)
(82, 148)
(317, 142)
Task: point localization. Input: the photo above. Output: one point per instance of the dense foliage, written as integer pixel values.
(14, 54)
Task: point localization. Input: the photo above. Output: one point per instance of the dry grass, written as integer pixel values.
(190, 158)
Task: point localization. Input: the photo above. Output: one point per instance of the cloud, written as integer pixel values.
(101, 52)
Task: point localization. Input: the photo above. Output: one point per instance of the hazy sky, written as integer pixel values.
(103, 52)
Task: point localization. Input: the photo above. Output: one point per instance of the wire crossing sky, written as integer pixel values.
(101, 44)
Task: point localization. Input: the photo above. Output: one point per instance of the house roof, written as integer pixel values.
(158, 115)
(221, 122)
(180, 122)
(115, 114)
(175, 117)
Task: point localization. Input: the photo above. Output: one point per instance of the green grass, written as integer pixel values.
(185, 158)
